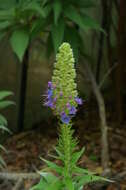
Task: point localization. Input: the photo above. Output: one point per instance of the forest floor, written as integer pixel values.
(26, 148)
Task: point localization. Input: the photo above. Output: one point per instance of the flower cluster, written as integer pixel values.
(62, 96)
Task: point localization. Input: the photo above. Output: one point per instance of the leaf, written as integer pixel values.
(33, 6)
(2, 162)
(53, 166)
(73, 15)
(49, 49)
(72, 36)
(19, 42)
(49, 177)
(89, 22)
(3, 120)
(61, 156)
(4, 25)
(5, 128)
(78, 170)
(58, 34)
(55, 185)
(42, 185)
(4, 94)
(6, 103)
(86, 3)
(48, 182)
(89, 179)
(57, 8)
(47, 9)
(76, 156)
(83, 21)
(69, 184)
(2, 147)
(7, 14)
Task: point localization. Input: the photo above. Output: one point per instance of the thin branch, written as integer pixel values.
(18, 184)
(107, 74)
(17, 176)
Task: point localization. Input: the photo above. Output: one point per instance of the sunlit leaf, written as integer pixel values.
(4, 94)
(19, 42)
(5, 103)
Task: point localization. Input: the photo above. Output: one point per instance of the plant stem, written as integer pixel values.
(66, 147)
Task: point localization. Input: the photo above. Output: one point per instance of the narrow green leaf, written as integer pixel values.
(6, 103)
(76, 156)
(49, 49)
(58, 34)
(61, 156)
(3, 120)
(72, 36)
(19, 42)
(57, 8)
(84, 180)
(42, 185)
(73, 15)
(49, 177)
(79, 170)
(53, 166)
(47, 10)
(4, 94)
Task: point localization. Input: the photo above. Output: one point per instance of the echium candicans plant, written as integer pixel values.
(62, 97)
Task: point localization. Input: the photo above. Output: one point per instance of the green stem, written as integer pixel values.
(66, 143)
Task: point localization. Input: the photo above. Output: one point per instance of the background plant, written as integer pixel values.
(3, 121)
(24, 21)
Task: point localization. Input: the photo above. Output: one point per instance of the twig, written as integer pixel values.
(17, 176)
(18, 184)
(102, 114)
(107, 74)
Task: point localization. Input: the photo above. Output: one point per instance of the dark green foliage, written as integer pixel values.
(67, 18)
(25, 20)
(17, 22)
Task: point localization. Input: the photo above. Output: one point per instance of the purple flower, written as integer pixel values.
(72, 110)
(78, 101)
(68, 105)
(49, 103)
(49, 93)
(50, 84)
(61, 93)
(65, 118)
